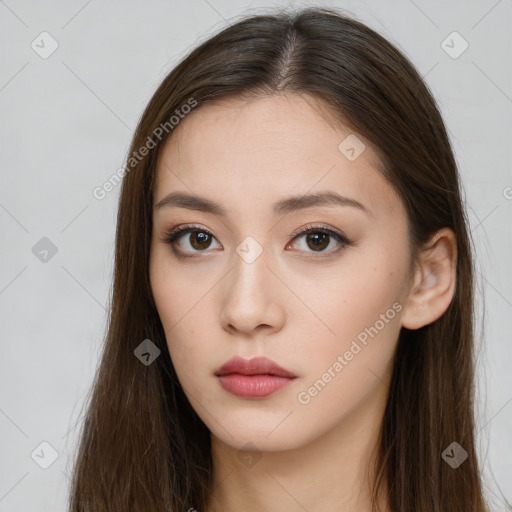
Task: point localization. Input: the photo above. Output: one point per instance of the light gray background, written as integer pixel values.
(66, 124)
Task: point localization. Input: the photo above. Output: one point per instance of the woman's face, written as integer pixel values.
(326, 312)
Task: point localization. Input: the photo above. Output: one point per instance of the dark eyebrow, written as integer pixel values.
(288, 205)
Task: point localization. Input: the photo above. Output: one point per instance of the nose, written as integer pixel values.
(252, 301)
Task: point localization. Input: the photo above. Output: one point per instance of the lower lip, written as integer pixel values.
(253, 386)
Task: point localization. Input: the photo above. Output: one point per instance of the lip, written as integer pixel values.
(254, 378)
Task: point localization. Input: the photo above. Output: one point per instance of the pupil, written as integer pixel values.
(319, 240)
(318, 244)
(201, 238)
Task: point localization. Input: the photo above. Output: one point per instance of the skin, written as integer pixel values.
(287, 306)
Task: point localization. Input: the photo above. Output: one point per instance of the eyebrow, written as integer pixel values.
(287, 205)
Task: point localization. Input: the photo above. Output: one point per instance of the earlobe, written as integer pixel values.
(434, 281)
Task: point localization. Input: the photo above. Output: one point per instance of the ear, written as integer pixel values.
(434, 281)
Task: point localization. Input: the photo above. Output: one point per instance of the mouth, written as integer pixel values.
(254, 378)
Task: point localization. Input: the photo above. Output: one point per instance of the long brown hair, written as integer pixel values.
(142, 446)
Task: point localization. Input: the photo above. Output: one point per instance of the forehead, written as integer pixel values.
(248, 154)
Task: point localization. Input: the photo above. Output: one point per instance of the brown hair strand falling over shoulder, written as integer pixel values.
(142, 446)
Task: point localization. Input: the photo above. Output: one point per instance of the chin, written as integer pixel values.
(265, 430)
(252, 439)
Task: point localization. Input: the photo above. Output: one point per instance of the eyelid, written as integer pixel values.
(171, 236)
(183, 229)
(340, 237)
(317, 227)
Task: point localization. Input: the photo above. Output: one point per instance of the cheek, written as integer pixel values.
(352, 357)
(183, 309)
(342, 306)
(348, 368)
(174, 291)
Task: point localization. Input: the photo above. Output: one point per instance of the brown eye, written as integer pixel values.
(187, 240)
(200, 240)
(317, 241)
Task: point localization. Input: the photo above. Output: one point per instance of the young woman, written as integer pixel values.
(291, 324)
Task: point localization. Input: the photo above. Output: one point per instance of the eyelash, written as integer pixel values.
(170, 237)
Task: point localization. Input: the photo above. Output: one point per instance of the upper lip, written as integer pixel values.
(255, 366)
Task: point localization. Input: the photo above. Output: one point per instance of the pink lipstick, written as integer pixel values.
(255, 378)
